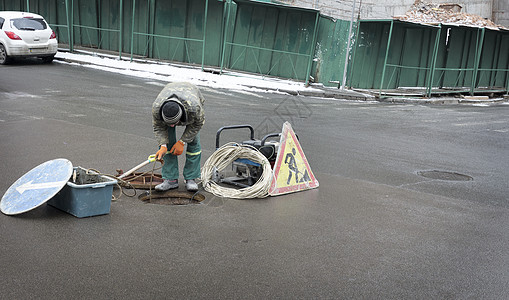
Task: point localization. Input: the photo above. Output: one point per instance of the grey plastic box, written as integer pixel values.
(89, 195)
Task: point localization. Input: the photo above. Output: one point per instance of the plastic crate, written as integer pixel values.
(86, 194)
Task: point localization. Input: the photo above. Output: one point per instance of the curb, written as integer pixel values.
(321, 92)
(336, 93)
(444, 101)
(331, 94)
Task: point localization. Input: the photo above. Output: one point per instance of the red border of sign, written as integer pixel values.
(274, 191)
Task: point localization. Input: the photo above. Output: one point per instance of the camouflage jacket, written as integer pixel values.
(191, 99)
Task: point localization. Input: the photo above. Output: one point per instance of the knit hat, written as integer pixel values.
(171, 112)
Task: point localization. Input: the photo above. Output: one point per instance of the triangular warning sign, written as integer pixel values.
(291, 170)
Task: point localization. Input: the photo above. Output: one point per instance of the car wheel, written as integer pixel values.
(4, 59)
(47, 59)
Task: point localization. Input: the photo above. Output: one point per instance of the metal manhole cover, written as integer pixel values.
(445, 175)
(172, 197)
(143, 181)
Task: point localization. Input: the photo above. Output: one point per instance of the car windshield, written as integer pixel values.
(29, 24)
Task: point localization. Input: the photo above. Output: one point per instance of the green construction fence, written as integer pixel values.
(393, 55)
(243, 35)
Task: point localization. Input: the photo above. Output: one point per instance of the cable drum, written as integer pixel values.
(224, 157)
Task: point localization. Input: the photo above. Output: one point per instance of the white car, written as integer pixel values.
(24, 34)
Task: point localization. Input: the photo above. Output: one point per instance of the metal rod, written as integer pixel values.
(238, 58)
(343, 82)
(225, 38)
(258, 67)
(507, 83)
(507, 79)
(478, 51)
(204, 34)
(455, 69)
(267, 49)
(312, 50)
(186, 47)
(296, 76)
(132, 30)
(408, 67)
(96, 28)
(168, 37)
(135, 168)
(354, 51)
(67, 20)
(71, 28)
(120, 31)
(385, 60)
(434, 60)
(392, 76)
(151, 42)
(464, 55)
(274, 39)
(494, 62)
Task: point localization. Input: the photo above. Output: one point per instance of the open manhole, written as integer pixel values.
(172, 197)
(445, 175)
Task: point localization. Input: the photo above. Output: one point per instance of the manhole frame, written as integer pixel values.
(172, 197)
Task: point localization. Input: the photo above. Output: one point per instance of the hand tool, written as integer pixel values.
(151, 158)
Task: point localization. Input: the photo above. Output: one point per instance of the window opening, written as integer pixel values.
(29, 24)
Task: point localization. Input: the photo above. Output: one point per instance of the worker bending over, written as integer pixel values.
(178, 104)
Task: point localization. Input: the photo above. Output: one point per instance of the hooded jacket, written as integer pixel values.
(191, 101)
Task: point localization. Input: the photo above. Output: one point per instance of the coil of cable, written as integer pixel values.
(223, 157)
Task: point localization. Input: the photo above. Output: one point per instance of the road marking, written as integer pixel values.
(155, 83)
(35, 186)
(479, 123)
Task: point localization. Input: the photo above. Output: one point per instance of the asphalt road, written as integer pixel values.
(374, 229)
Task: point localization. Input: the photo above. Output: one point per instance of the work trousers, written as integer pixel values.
(170, 168)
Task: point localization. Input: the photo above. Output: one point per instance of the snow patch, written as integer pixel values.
(167, 72)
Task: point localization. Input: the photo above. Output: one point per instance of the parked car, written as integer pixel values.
(24, 34)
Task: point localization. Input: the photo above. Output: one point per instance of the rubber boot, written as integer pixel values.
(191, 185)
(167, 185)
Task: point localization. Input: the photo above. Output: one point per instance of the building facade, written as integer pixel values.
(501, 12)
(496, 10)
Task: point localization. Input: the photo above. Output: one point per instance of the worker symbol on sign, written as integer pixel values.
(293, 169)
(292, 165)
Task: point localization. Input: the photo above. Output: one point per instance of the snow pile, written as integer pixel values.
(171, 72)
(431, 13)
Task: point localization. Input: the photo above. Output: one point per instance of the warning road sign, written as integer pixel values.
(291, 170)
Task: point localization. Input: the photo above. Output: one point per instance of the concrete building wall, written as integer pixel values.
(501, 12)
(386, 9)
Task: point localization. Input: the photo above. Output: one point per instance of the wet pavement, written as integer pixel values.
(374, 229)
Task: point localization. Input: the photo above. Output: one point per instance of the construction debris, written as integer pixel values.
(446, 13)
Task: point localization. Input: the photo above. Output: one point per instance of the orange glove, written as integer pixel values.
(161, 152)
(178, 148)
